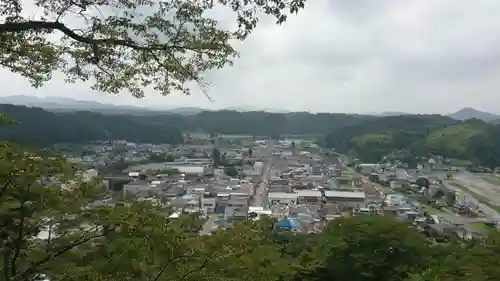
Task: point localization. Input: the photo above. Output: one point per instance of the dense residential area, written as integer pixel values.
(414, 190)
(249, 140)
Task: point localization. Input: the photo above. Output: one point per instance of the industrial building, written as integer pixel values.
(344, 197)
(308, 196)
(354, 198)
(283, 198)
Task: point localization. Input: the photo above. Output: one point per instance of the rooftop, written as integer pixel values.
(289, 223)
(345, 194)
(309, 193)
(282, 195)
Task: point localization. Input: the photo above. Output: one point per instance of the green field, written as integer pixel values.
(493, 179)
(481, 227)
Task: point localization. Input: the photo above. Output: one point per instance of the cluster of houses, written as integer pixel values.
(303, 191)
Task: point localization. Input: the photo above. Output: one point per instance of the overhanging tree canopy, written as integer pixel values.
(126, 44)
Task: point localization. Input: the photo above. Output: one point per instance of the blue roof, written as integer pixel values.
(288, 223)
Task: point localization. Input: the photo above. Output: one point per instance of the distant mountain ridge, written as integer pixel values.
(471, 113)
(60, 104)
(43, 127)
(462, 114)
(392, 113)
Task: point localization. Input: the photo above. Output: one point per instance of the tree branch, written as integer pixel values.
(34, 266)
(169, 262)
(44, 25)
(6, 185)
(6, 258)
(200, 267)
(18, 241)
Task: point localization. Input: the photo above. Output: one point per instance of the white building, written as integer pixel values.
(191, 169)
(349, 198)
(259, 210)
(283, 198)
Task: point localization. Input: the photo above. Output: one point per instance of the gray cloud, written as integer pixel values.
(350, 56)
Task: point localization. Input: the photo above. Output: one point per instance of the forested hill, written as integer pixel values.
(405, 129)
(369, 137)
(39, 127)
(270, 124)
(259, 123)
(419, 135)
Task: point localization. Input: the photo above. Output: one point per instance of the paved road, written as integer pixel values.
(209, 225)
(260, 196)
(456, 219)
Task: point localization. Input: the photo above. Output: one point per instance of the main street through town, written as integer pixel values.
(260, 196)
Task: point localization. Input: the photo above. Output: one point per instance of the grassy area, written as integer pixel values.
(495, 180)
(481, 227)
(462, 187)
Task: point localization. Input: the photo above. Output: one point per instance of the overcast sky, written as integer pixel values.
(362, 56)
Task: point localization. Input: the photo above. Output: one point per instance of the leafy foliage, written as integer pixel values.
(371, 248)
(373, 146)
(454, 140)
(127, 45)
(39, 193)
(4, 119)
(472, 140)
(405, 130)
